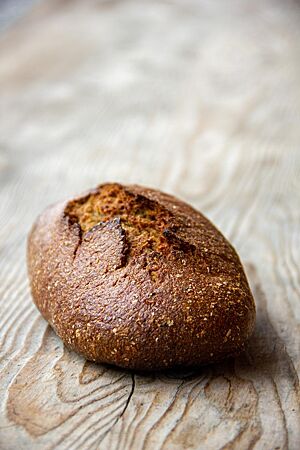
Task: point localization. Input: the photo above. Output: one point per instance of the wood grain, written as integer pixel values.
(198, 98)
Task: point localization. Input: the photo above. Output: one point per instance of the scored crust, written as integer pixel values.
(134, 277)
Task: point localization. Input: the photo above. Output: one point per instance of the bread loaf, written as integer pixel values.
(133, 277)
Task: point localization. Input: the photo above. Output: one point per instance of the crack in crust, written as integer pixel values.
(148, 228)
(144, 221)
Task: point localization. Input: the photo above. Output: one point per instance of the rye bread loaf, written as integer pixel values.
(133, 277)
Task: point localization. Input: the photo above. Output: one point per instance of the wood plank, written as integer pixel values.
(197, 98)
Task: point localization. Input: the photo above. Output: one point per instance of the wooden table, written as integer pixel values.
(198, 98)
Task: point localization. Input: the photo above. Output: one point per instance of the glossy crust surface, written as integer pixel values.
(133, 277)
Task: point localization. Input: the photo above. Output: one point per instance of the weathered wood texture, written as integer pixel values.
(198, 98)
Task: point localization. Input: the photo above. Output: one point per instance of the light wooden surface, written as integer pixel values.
(198, 98)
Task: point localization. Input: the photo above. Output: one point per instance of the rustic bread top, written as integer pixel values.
(134, 277)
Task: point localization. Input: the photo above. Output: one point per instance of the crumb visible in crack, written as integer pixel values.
(143, 220)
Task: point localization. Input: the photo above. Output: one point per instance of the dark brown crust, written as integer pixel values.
(185, 305)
